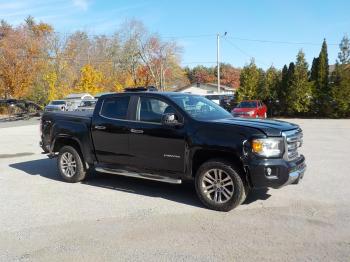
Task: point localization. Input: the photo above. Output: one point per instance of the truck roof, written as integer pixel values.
(158, 93)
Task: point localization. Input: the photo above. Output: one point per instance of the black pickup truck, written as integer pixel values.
(172, 137)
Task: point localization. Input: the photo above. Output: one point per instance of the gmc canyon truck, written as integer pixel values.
(172, 137)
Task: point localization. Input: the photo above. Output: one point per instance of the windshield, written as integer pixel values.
(87, 103)
(247, 104)
(213, 97)
(200, 108)
(57, 102)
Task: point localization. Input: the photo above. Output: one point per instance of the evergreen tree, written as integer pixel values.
(282, 90)
(321, 91)
(299, 95)
(340, 81)
(268, 90)
(263, 88)
(314, 68)
(341, 90)
(249, 80)
(289, 89)
(344, 54)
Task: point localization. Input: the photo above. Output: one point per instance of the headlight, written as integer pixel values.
(268, 147)
(250, 113)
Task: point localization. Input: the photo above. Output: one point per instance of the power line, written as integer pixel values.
(278, 42)
(188, 36)
(113, 34)
(198, 62)
(244, 52)
(209, 35)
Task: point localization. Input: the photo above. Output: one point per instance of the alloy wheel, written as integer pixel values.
(217, 186)
(68, 164)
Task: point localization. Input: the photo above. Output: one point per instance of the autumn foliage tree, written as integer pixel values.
(90, 80)
(42, 65)
(201, 74)
(21, 50)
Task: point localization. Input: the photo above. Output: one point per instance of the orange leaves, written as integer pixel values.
(90, 80)
(42, 29)
(19, 61)
(34, 59)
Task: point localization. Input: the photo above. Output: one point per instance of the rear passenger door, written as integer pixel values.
(156, 148)
(110, 131)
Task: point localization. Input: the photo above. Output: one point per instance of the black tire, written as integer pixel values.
(79, 173)
(240, 190)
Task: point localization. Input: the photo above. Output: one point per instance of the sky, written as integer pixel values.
(271, 31)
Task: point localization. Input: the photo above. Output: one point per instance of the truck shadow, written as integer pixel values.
(183, 193)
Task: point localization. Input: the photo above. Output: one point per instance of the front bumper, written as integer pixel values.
(243, 115)
(281, 173)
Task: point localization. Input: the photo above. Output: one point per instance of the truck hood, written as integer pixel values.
(269, 127)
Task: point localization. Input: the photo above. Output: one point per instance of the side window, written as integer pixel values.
(152, 110)
(115, 107)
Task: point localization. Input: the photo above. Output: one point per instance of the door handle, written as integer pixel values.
(100, 127)
(136, 131)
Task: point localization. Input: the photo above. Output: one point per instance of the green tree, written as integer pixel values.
(321, 89)
(341, 90)
(249, 80)
(340, 81)
(344, 54)
(282, 90)
(267, 82)
(268, 88)
(289, 88)
(299, 87)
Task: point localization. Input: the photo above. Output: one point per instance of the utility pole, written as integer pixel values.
(160, 75)
(218, 59)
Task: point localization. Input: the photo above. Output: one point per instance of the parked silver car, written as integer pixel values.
(56, 105)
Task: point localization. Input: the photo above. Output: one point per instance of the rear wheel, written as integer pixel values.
(70, 165)
(219, 185)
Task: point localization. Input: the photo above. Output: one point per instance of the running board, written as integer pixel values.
(137, 175)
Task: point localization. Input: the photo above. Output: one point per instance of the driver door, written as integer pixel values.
(156, 148)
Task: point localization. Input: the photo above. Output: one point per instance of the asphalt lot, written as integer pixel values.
(117, 218)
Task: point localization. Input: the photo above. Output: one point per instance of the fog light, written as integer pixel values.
(268, 171)
(271, 172)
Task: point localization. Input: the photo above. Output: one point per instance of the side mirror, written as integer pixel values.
(170, 120)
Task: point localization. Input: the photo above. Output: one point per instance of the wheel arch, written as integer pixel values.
(203, 155)
(61, 141)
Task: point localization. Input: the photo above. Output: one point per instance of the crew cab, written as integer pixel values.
(172, 137)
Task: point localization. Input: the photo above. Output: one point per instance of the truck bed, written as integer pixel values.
(70, 114)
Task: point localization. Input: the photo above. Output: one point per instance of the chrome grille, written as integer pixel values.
(293, 140)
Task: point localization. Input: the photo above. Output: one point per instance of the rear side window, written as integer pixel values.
(115, 107)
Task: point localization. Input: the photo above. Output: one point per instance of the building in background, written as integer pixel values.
(74, 100)
(80, 96)
(206, 89)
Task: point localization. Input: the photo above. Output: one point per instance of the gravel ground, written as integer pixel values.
(116, 218)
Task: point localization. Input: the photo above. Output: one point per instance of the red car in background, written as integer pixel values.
(250, 108)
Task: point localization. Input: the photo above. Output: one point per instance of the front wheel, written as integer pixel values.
(219, 186)
(70, 165)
